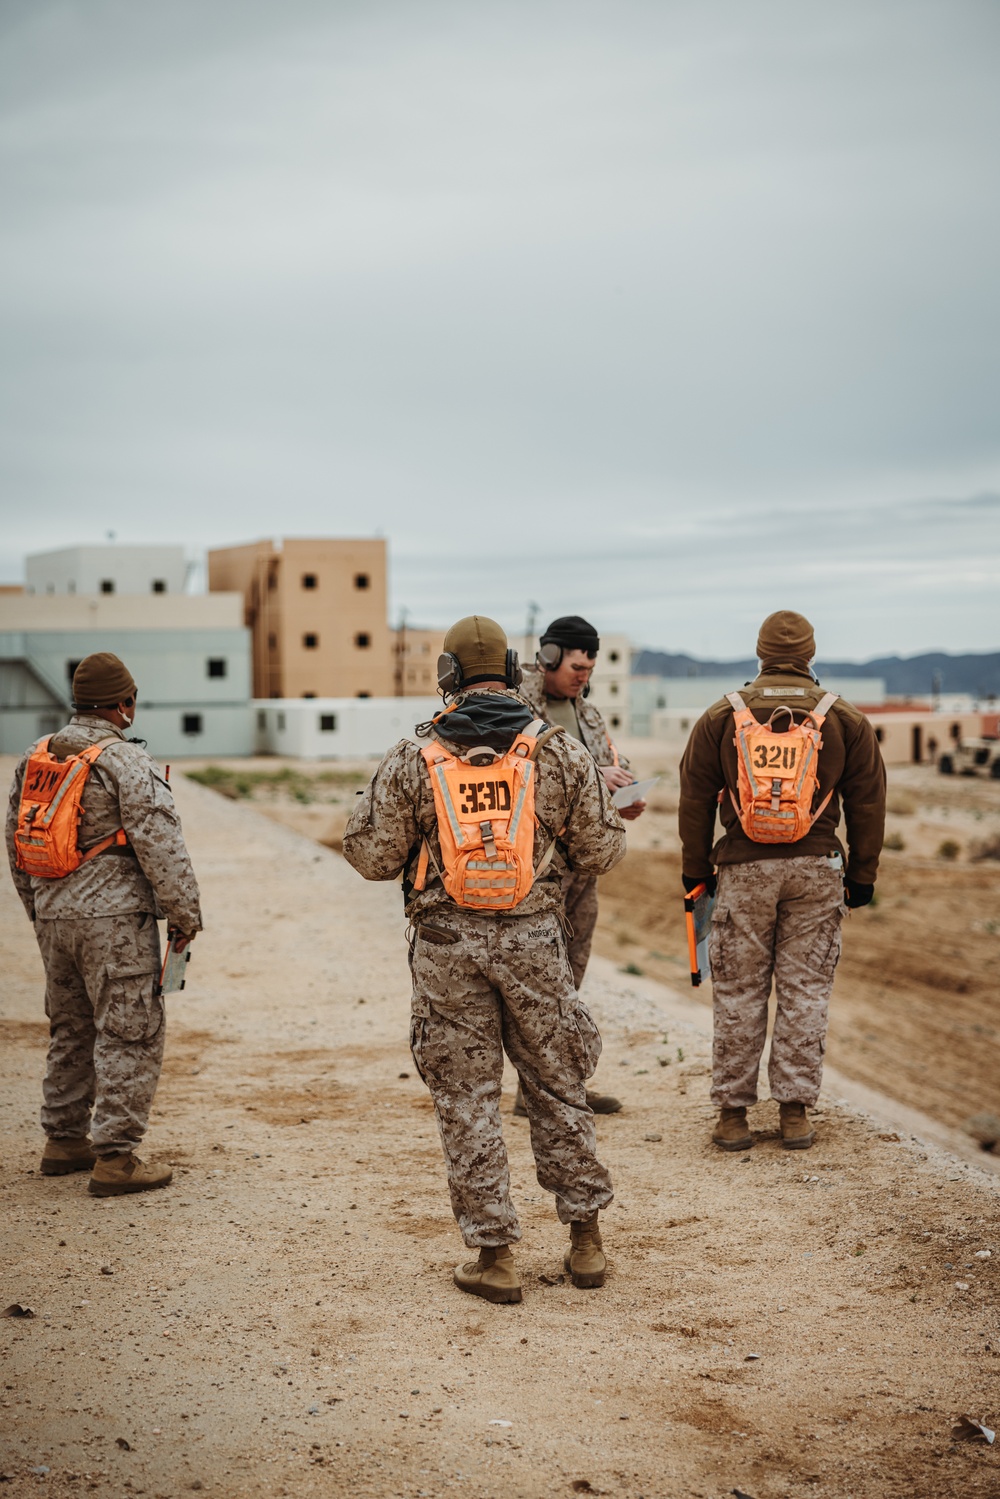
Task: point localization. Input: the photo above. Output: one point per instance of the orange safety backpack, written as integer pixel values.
(486, 823)
(778, 771)
(48, 818)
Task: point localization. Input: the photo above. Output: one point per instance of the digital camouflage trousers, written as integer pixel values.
(106, 1030)
(774, 919)
(483, 985)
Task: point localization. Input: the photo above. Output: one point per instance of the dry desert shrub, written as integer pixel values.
(949, 849)
(895, 842)
(902, 803)
(988, 848)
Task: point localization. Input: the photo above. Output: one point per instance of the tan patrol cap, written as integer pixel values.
(480, 647)
(786, 636)
(102, 681)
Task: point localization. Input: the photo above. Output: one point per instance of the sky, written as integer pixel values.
(665, 312)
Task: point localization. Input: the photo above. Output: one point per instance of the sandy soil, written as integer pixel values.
(281, 1320)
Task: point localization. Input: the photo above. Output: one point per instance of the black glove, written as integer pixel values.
(856, 895)
(691, 882)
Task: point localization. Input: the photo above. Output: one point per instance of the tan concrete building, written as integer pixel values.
(317, 611)
(415, 658)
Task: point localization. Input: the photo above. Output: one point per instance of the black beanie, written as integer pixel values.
(573, 633)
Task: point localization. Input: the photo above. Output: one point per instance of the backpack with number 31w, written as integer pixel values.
(778, 771)
(48, 818)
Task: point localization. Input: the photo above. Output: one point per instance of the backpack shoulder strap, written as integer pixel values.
(743, 714)
(823, 707)
(92, 751)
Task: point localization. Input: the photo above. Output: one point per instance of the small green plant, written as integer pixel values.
(895, 842)
(680, 1053)
(632, 968)
(949, 849)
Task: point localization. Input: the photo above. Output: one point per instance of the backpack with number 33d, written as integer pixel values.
(778, 771)
(485, 806)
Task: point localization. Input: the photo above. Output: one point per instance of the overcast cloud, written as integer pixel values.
(666, 313)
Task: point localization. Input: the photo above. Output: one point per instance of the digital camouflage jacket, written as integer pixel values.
(396, 812)
(125, 789)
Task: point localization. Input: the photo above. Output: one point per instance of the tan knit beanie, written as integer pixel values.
(786, 637)
(480, 645)
(102, 681)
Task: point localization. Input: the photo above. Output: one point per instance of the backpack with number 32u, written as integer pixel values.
(778, 771)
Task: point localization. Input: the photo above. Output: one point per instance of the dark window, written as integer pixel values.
(613, 689)
(362, 640)
(878, 733)
(261, 719)
(281, 720)
(310, 642)
(309, 694)
(217, 666)
(309, 580)
(615, 721)
(327, 722)
(159, 585)
(364, 694)
(612, 655)
(71, 667)
(272, 641)
(361, 580)
(107, 585)
(191, 723)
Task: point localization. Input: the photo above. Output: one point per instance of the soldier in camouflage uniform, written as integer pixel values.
(488, 983)
(99, 941)
(557, 687)
(778, 906)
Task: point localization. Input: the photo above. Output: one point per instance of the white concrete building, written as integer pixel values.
(109, 569)
(333, 728)
(190, 656)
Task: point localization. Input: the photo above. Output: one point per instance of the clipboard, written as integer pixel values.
(174, 971)
(698, 907)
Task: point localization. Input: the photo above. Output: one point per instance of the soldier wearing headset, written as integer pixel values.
(557, 688)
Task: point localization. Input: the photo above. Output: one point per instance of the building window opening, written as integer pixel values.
(362, 640)
(364, 694)
(362, 580)
(327, 723)
(615, 721)
(612, 655)
(261, 719)
(107, 585)
(309, 694)
(272, 642)
(281, 723)
(159, 585)
(191, 723)
(71, 667)
(310, 642)
(613, 689)
(217, 666)
(309, 580)
(879, 731)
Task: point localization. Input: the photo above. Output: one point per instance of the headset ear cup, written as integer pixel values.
(449, 673)
(512, 670)
(549, 656)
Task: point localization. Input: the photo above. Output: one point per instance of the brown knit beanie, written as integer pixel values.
(102, 681)
(786, 638)
(481, 647)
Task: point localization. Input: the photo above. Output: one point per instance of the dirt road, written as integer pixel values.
(282, 1321)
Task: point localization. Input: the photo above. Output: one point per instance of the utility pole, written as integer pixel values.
(400, 671)
(529, 631)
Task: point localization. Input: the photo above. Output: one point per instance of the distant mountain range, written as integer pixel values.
(903, 676)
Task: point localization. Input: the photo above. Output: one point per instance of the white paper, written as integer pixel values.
(637, 792)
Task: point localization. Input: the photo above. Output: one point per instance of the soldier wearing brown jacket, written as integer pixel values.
(486, 982)
(96, 928)
(778, 906)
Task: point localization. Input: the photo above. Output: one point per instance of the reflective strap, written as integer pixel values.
(507, 884)
(515, 817)
(79, 769)
(823, 707)
(456, 826)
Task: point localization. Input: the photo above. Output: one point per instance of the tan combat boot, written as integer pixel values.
(114, 1175)
(61, 1156)
(598, 1103)
(796, 1131)
(585, 1261)
(493, 1276)
(731, 1132)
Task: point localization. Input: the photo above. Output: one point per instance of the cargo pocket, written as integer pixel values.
(721, 929)
(418, 1029)
(590, 1039)
(826, 953)
(128, 1009)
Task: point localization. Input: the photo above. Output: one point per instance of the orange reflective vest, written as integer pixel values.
(486, 823)
(778, 772)
(48, 817)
